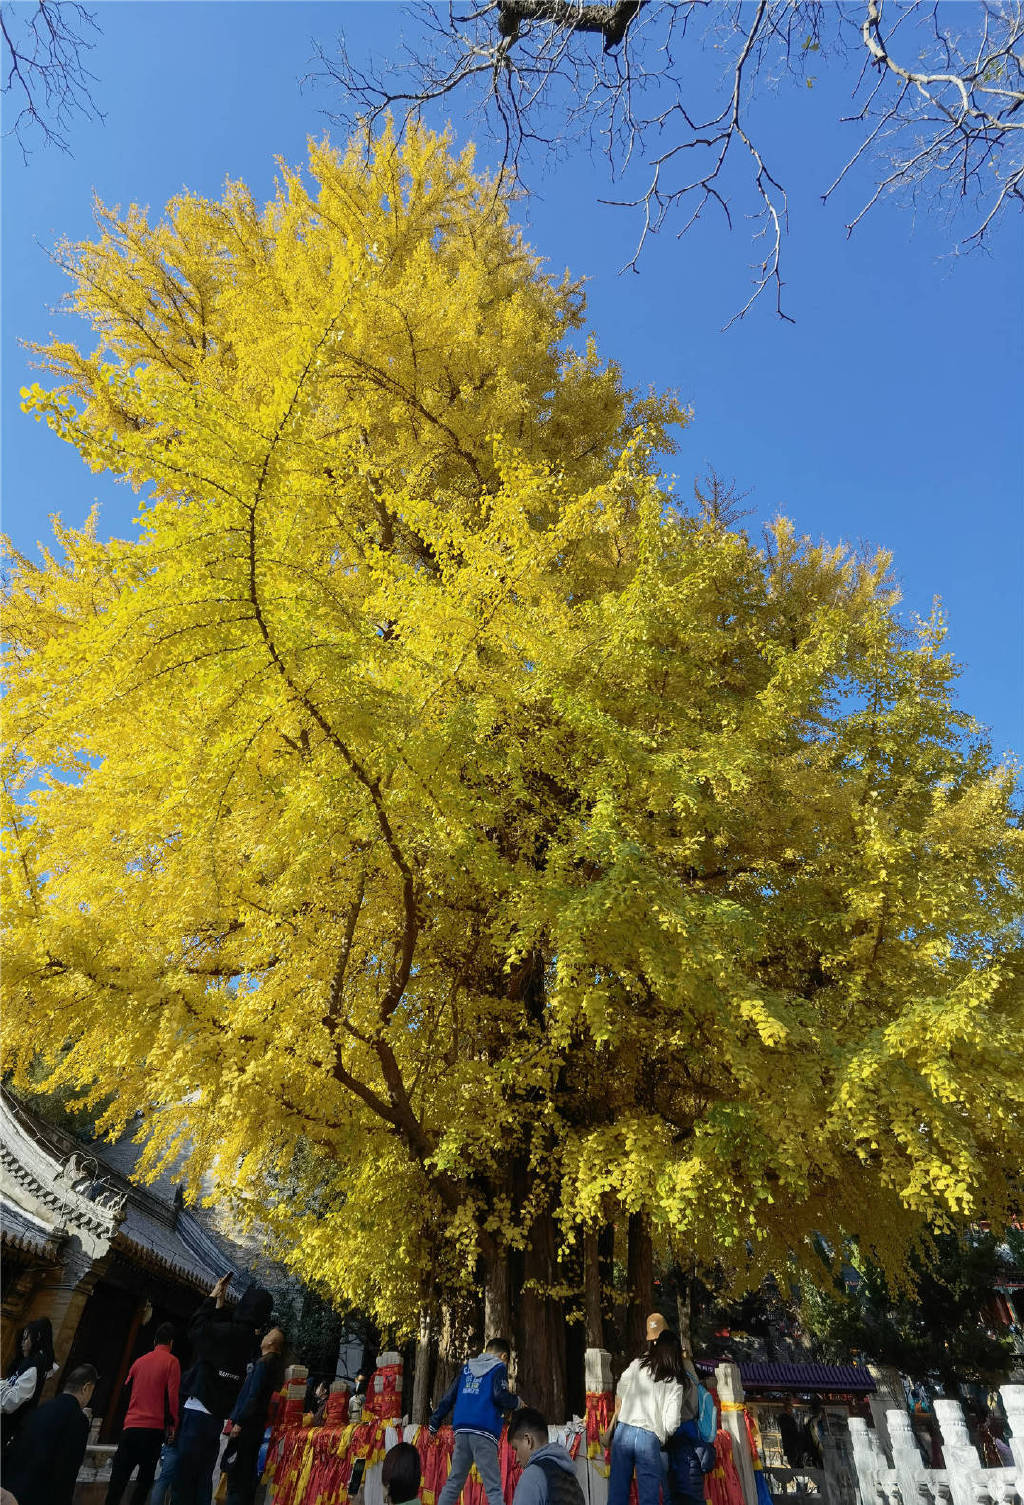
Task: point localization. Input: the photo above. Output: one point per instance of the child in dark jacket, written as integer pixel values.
(479, 1398)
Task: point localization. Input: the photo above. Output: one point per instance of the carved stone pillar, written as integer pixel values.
(908, 1465)
(598, 1371)
(868, 1457)
(62, 1298)
(889, 1396)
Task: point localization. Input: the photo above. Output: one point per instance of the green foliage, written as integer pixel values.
(76, 1109)
(934, 1330)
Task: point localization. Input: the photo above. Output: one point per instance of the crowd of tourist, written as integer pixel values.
(174, 1424)
(178, 1427)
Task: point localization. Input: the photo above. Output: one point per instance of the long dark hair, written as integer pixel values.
(40, 1354)
(664, 1359)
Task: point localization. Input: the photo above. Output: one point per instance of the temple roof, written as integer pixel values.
(843, 1379)
(53, 1185)
(20, 1230)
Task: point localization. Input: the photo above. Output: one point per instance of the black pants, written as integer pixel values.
(242, 1472)
(138, 1446)
(198, 1445)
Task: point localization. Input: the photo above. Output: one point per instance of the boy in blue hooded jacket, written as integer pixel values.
(479, 1398)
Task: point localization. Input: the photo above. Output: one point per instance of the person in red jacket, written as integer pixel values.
(155, 1379)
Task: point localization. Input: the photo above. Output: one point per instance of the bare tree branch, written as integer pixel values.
(45, 80)
(663, 92)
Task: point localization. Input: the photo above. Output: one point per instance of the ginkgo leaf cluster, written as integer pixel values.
(453, 827)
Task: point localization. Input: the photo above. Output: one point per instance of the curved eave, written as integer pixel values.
(163, 1264)
(26, 1242)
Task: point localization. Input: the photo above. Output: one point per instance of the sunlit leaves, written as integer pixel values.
(443, 821)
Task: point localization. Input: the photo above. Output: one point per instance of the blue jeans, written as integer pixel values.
(198, 1446)
(161, 1492)
(634, 1447)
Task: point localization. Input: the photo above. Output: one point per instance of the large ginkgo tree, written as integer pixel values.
(476, 846)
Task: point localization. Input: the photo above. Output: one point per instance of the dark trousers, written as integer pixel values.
(243, 1477)
(139, 1446)
(198, 1444)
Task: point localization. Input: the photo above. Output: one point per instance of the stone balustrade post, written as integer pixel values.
(730, 1395)
(597, 1369)
(963, 1466)
(906, 1455)
(1013, 1404)
(888, 1395)
(868, 1459)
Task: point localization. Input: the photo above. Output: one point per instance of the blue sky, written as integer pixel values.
(889, 414)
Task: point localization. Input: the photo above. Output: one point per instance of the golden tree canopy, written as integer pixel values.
(447, 822)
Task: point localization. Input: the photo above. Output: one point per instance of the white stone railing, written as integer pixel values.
(884, 1466)
(901, 1477)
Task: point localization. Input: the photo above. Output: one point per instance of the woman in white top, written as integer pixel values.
(20, 1391)
(648, 1407)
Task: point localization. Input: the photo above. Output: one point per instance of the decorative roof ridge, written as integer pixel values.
(54, 1183)
(20, 1229)
(35, 1129)
(72, 1207)
(50, 1166)
(147, 1254)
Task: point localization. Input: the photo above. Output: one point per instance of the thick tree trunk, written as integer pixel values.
(426, 1342)
(540, 1328)
(610, 1311)
(497, 1297)
(575, 1369)
(640, 1268)
(456, 1338)
(684, 1305)
(592, 1315)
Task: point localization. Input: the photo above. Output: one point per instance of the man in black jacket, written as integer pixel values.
(43, 1464)
(249, 1420)
(224, 1343)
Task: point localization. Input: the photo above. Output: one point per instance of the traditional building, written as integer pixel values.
(104, 1258)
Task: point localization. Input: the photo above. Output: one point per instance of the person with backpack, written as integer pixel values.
(479, 1398)
(549, 1474)
(648, 1409)
(690, 1450)
(790, 1434)
(249, 1420)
